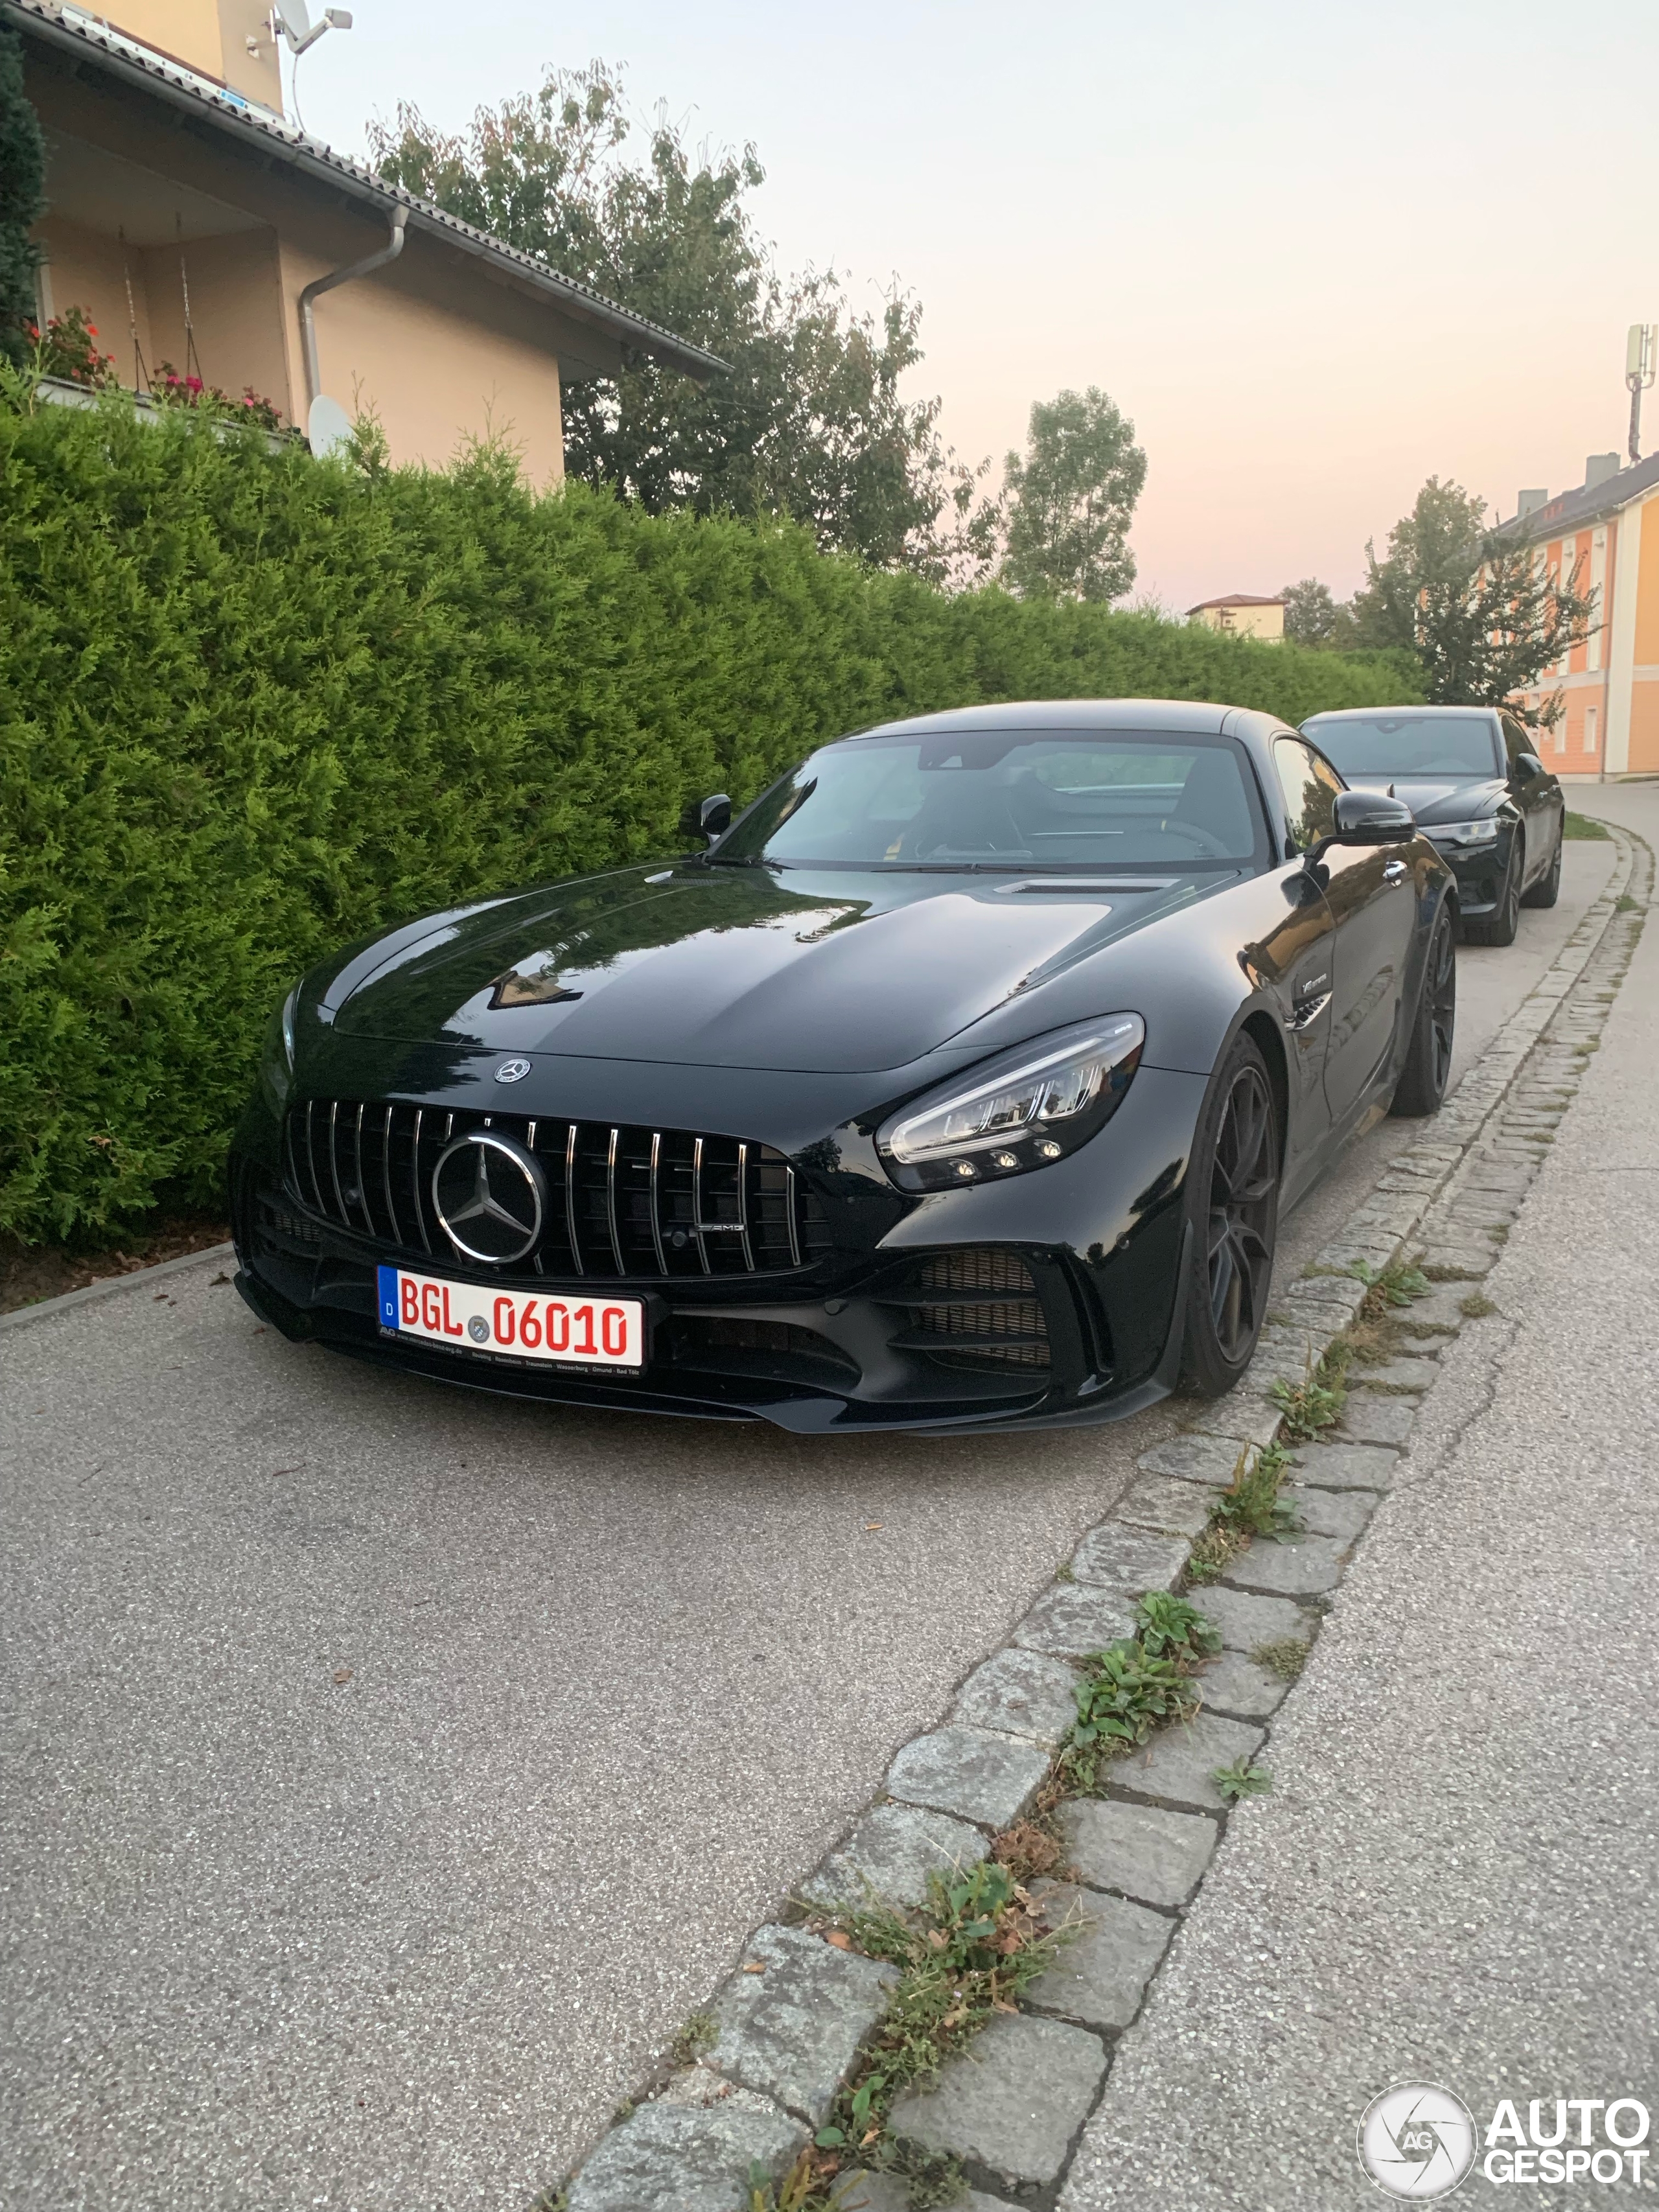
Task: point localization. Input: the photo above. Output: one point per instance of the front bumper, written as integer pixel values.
(1048, 1298)
(1479, 870)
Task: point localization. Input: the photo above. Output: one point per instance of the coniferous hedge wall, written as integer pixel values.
(253, 705)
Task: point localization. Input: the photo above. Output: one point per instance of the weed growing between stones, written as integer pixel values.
(698, 2034)
(1240, 1780)
(1286, 1658)
(1397, 1284)
(1476, 1307)
(1134, 1685)
(968, 1953)
(1250, 1505)
(1316, 1403)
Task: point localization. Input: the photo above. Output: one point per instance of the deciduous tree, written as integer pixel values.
(1072, 497)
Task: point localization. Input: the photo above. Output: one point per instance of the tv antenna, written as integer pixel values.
(1641, 358)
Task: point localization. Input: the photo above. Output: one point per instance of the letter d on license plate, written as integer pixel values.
(563, 1330)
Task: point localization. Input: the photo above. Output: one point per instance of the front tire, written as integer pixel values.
(1233, 1211)
(1422, 1084)
(1548, 889)
(1498, 927)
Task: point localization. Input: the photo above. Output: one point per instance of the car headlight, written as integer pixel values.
(1464, 833)
(1020, 1110)
(276, 1056)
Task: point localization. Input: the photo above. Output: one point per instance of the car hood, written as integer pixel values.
(1433, 799)
(731, 966)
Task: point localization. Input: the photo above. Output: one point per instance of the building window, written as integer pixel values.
(1598, 579)
(1589, 730)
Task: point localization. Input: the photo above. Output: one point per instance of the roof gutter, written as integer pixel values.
(389, 251)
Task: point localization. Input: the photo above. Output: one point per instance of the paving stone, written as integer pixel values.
(1246, 1620)
(1113, 1556)
(670, 2157)
(1194, 1459)
(1155, 1856)
(1396, 1375)
(1159, 1501)
(1072, 1619)
(970, 1772)
(1013, 2100)
(1299, 1569)
(1321, 1513)
(890, 1854)
(1417, 1339)
(1462, 1262)
(1344, 1292)
(1175, 1766)
(1233, 1684)
(1372, 1416)
(1102, 1970)
(1241, 1417)
(1022, 1694)
(1346, 1466)
(792, 2032)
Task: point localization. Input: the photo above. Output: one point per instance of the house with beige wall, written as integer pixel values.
(1241, 614)
(1604, 536)
(179, 193)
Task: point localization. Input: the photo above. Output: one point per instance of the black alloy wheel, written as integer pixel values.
(1499, 927)
(1548, 889)
(1234, 1211)
(1423, 1079)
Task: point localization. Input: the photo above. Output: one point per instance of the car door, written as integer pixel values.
(1368, 889)
(1538, 795)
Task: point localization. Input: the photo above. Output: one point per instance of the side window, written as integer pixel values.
(1516, 741)
(1310, 785)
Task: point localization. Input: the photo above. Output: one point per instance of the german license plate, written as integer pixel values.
(563, 1330)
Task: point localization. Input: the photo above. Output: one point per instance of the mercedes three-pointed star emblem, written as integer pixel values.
(491, 1197)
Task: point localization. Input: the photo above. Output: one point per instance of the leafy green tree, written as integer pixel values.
(22, 181)
(808, 422)
(1072, 497)
(1476, 608)
(1313, 616)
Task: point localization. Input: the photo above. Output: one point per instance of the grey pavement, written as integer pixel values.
(1453, 1881)
(389, 1772)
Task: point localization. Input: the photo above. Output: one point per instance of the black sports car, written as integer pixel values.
(1480, 794)
(959, 1082)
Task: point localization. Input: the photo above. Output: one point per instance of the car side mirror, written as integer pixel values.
(1369, 817)
(1529, 765)
(710, 817)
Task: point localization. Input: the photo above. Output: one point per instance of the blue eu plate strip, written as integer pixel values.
(388, 1297)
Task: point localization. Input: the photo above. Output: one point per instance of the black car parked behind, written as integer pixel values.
(1477, 790)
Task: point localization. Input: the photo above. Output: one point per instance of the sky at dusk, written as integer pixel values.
(1316, 253)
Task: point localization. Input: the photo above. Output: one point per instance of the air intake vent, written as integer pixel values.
(977, 1309)
(622, 1202)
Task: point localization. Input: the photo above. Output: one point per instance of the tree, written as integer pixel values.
(1477, 608)
(807, 422)
(1313, 616)
(22, 181)
(1073, 496)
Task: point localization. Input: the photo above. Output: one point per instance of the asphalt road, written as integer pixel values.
(389, 1771)
(1453, 1881)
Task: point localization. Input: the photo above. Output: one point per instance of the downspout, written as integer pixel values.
(389, 251)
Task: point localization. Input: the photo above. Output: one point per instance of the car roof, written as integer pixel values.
(1196, 718)
(1372, 714)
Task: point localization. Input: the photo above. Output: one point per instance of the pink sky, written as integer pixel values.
(1317, 251)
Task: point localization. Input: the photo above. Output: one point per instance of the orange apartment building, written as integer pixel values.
(1606, 530)
(175, 185)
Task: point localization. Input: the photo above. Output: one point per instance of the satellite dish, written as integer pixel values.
(328, 426)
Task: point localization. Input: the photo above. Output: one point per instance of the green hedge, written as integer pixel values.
(253, 705)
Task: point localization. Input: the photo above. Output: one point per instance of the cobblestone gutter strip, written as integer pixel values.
(787, 2028)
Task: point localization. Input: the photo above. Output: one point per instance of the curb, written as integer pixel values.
(44, 1308)
(1013, 2108)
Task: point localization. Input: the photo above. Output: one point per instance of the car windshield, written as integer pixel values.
(1458, 747)
(1009, 799)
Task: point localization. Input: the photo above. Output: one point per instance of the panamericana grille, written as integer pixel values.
(622, 1201)
(975, 1308)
